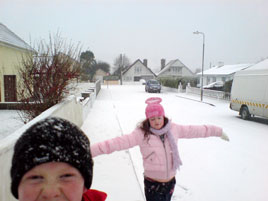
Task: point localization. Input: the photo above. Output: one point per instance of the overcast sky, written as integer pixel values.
(236, 31)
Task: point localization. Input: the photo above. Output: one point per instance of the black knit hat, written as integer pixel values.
(51, 140)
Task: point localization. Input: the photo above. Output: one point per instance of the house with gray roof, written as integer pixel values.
(12, 50)
(173, 69)
(137, 71)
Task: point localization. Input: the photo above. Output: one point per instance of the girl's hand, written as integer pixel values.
(224, 136)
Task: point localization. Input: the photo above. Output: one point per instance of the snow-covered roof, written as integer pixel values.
(226, 69)
(9, 38)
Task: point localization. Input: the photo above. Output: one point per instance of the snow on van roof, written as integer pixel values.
(262, 65)
(260, 68)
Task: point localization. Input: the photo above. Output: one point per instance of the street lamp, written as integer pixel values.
(121, 65)
(198, 32)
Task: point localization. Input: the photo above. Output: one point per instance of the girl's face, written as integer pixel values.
(52, 181)
(157, 122)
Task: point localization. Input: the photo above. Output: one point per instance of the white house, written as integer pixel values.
(175, 68)
(221, 73)
(99, 75)
(137, 71)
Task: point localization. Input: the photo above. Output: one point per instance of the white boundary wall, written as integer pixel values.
(71, 109)
(210, 93)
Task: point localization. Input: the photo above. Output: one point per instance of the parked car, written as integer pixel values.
(153, 86)
(214, 85)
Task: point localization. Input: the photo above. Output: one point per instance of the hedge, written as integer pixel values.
(174, 82)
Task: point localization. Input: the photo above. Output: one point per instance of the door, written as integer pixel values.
(10, 88)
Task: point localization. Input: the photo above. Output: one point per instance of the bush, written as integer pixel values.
(168, 82)
(174, 82)
(44, 78)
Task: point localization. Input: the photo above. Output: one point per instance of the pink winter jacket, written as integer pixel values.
(157, 157)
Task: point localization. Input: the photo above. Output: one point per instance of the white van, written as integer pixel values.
(249, 94)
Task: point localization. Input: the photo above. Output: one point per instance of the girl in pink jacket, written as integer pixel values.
(157, 138)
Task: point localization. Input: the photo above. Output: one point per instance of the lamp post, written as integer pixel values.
(121, 65)
(198, 32)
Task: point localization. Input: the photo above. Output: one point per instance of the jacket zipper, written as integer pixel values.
(163, 141)
(149, 155)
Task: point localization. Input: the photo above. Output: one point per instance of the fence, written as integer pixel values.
(209, 93)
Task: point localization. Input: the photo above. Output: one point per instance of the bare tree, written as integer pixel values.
(121, 61)
(44, 77)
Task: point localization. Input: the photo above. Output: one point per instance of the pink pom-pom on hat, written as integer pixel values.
(154, 108)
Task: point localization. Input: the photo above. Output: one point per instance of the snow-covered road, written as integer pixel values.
(213, 169)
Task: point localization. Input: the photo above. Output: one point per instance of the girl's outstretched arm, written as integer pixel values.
(197, 131)
(117, 144)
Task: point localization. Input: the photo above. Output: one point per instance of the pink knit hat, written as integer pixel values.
(154, 108)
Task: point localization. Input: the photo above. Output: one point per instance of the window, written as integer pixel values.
(137, 70)
(177, 69)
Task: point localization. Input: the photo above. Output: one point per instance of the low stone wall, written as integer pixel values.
(74, 109)
(163, 88)
(206, 92)
(111, 82)
(9, 106)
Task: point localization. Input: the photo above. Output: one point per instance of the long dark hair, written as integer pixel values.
(145, 127)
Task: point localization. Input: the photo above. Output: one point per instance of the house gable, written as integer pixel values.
(137, 71)
(99, 75)
(100, 72)
(175, 68)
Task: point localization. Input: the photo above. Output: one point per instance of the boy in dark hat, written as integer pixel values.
(52, 161)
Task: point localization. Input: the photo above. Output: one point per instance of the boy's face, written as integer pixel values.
(52, 181)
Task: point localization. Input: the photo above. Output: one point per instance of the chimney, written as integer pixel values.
(145, 62)
(163, 63)
(220, 63)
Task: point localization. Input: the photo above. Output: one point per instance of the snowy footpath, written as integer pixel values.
(9, 122)
(213, 169)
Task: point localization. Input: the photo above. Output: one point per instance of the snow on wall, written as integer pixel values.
(71, 109)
